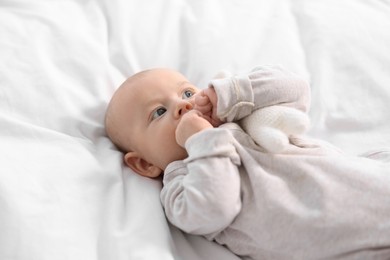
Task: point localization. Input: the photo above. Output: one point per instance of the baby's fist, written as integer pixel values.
(206, 103)
(190, 123)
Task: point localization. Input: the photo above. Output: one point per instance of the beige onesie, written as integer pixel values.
(309, 202)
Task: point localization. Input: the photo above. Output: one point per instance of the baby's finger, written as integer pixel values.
(204, 108)
(201, 99)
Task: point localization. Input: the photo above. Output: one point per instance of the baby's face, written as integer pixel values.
(149, 109)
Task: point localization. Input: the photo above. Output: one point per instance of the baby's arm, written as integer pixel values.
(240, 95)
(202, 194)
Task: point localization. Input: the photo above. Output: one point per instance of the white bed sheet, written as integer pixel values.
(64, 191)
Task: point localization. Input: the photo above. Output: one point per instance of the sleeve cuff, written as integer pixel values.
(235, 97)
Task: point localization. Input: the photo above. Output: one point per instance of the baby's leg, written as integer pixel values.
(270, 127)
(271, 139)
(289, 120)
(294, 122)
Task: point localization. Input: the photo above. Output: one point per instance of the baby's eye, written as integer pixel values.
(158, 112)
(187, 94)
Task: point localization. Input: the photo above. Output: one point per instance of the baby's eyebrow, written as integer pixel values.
(181, 83)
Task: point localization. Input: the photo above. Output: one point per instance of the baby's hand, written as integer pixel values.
(190, 123)
(206, 103)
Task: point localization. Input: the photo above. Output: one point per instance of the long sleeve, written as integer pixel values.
(240, 95)
(201, 195)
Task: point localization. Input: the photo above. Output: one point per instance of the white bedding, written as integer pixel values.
(64, 191)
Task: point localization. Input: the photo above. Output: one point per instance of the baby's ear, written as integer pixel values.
(140, 166)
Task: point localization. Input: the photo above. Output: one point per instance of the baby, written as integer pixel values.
(308, 202)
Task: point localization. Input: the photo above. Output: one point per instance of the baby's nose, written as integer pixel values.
(183, 107)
